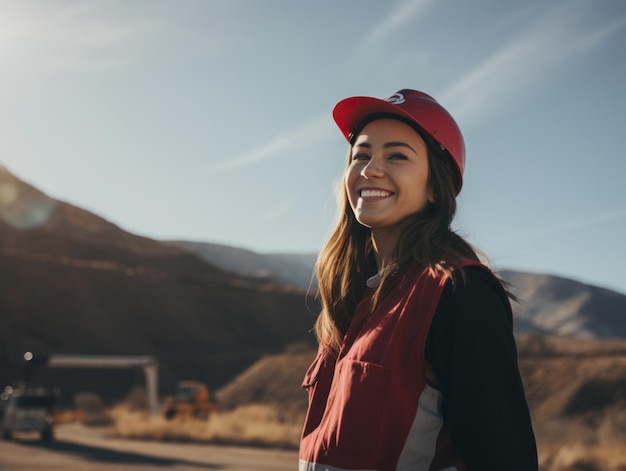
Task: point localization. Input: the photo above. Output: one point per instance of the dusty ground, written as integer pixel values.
(92, 449)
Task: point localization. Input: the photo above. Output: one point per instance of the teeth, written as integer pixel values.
(374, 193)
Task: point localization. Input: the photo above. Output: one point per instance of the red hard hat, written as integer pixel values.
(417, 107)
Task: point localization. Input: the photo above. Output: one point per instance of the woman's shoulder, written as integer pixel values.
(475, 278)
(477, 290)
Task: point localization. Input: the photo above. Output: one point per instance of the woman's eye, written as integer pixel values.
(397, 156)
(360, 156)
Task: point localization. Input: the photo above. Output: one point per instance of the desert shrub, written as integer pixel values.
(91, 409)
(580, 457)
(584, 465)
(597, 394)
(253, 424)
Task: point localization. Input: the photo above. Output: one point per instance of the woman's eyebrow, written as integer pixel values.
(387, 145)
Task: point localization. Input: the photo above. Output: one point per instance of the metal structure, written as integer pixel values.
(147, 363)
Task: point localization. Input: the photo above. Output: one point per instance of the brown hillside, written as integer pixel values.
(578, 381)
(72, 282)
(275, 380)
(59, 295)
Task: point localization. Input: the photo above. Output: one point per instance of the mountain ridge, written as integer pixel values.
(74, 283)
(549, 304)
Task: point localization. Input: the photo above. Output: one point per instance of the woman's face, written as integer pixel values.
(387, 176)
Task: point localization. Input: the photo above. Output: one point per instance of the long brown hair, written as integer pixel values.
(347, 259)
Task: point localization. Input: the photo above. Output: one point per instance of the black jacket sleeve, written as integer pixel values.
(472, 352)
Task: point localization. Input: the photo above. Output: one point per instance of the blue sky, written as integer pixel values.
(210, 120)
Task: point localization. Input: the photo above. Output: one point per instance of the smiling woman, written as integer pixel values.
(417, 364)
(387, 178)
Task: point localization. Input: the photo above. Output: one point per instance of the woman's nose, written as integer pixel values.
(372, 169)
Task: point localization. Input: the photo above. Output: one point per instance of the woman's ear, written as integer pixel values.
(431, 195)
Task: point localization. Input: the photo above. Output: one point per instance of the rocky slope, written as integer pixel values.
(558, 306)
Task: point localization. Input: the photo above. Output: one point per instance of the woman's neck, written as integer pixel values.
(384, 244)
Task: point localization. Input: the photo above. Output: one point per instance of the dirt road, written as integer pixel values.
(79, 448)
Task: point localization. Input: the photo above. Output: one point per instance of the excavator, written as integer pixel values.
(192, 401)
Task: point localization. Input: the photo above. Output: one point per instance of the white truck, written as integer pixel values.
(28, 409)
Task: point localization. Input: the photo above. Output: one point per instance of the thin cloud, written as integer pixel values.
(79, 36)
(523, 62)
(68, 38)
(403, 13)
(311, 133)
(279, 211)
(597, 37)
(566, 226)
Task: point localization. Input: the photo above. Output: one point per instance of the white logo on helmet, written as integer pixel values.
(396, 99)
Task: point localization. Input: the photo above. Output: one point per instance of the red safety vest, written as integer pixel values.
(370, 407)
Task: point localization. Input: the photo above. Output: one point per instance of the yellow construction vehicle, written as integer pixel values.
(192, 400)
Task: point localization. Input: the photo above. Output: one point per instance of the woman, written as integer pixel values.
(417, 367)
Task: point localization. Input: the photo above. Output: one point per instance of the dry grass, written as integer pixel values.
(582, 457)
(596, 442)
(252, 425)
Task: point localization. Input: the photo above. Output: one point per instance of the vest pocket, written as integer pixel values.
(317, 399)
(352, 418)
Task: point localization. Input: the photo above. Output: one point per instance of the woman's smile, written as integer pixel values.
(374, 194)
